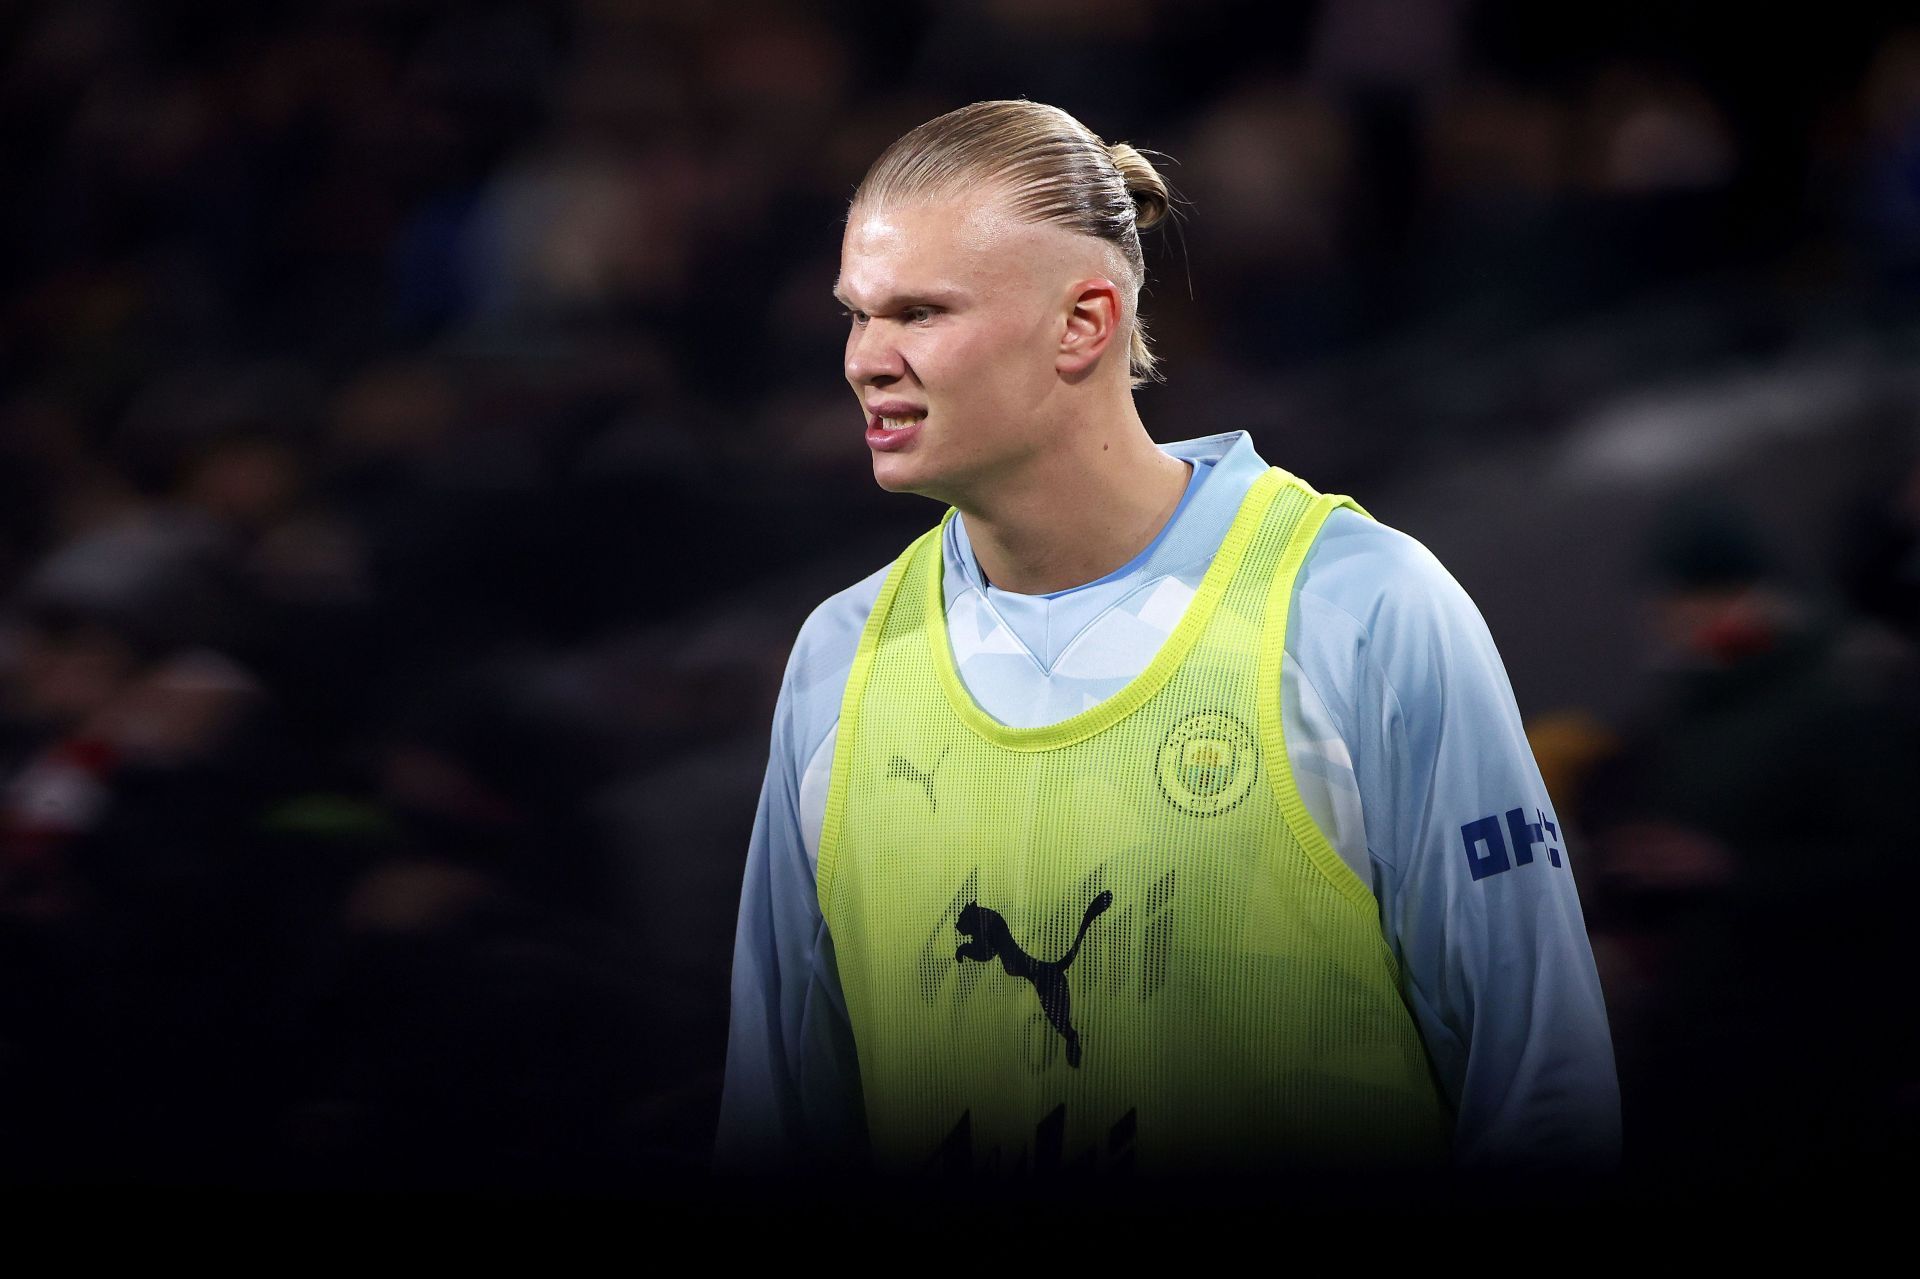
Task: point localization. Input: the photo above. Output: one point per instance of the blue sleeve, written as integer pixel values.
(791, 1096)
(1470, 864)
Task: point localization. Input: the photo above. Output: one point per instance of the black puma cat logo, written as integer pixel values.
(900, 766)
(992, 939)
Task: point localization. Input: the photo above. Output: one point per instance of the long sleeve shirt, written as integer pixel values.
(1408, 749)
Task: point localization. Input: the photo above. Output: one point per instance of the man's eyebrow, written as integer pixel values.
(922, 297)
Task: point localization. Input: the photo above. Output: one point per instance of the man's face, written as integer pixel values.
(955, 314)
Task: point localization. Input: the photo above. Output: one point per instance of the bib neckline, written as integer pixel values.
(1137, 691)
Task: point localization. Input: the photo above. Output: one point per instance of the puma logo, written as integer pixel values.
(992, 939)
(900, 766)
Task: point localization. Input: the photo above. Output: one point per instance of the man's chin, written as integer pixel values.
(896, 474)
(899, 473)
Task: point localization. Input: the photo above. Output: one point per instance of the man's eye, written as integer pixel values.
(915, 314)
(858, 317)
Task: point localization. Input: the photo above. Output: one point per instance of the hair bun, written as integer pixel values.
(1144, 183)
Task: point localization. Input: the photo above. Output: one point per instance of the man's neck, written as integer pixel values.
(1079, 515)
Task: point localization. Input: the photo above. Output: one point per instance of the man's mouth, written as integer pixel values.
(894, 431)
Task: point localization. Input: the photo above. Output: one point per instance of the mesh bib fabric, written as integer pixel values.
(1115, 942)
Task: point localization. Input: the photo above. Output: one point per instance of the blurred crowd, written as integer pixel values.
(422, 433)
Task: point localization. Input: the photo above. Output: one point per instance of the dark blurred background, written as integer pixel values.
(423, 434)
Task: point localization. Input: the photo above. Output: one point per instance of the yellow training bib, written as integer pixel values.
(1117, 941)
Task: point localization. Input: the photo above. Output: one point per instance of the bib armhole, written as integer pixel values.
(1313, 841)
(849, 724)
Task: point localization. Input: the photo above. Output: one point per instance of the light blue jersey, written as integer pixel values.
(1408, 750)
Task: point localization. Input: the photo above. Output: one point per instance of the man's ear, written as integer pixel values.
(1093, 319)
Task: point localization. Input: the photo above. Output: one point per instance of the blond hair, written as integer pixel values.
(1052, 168)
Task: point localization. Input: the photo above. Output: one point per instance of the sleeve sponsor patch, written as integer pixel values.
(1499, 842)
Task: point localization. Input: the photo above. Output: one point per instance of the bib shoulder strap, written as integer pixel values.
(1335, 500)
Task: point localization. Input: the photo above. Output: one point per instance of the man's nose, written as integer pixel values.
(871, 356)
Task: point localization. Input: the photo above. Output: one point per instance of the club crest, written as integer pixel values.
(1206, 763)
